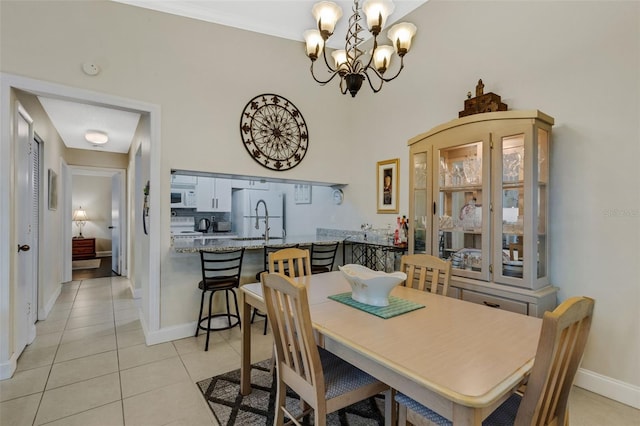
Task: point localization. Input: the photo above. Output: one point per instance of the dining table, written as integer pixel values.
(460, 359)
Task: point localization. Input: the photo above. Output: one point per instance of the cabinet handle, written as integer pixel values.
(434, 208)
(491, 305)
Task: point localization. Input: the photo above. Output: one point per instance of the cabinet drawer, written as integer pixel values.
(495, 302)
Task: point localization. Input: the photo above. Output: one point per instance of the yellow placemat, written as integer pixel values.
(396, 306)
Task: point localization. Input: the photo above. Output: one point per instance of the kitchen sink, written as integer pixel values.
(255, 239)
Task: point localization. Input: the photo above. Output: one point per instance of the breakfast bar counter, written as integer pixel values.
(209, 244)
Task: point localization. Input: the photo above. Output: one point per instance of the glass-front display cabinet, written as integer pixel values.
(479, 198)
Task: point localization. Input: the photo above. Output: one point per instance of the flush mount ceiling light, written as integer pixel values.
(96, 137)
(353, 64)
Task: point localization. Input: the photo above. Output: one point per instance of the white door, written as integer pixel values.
(116, 255)
(26, 226)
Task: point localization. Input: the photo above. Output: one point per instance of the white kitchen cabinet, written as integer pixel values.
(183, 181)
(249, 184)
(213, 195)
(479, 188)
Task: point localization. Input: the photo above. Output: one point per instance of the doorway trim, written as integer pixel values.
(150, 309)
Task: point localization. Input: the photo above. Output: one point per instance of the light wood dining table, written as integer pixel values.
(460, 359)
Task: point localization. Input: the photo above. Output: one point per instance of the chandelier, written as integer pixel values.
(353, 64)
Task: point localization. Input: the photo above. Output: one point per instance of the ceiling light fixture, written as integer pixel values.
(96, 137)
(352, 64)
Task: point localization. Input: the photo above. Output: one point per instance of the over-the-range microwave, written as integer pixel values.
(183, 198)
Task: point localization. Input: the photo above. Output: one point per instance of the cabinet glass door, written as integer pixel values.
(420, 202)
(513, 206)
(461, 212)
(543, 180)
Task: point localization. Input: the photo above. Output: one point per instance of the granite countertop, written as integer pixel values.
(209, 244)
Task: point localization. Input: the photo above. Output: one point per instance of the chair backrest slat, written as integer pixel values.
(429, 268)
(293, 262)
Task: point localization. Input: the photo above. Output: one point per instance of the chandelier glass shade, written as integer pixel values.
(353, 64)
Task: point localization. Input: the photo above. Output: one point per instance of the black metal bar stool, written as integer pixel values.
(220, 272)
(323, 256)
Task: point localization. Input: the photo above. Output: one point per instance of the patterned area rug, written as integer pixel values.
(85, 264)
(231, 408)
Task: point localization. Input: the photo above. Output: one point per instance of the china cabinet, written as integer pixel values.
(479, 197)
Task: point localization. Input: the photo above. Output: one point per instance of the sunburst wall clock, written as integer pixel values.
(274, 132)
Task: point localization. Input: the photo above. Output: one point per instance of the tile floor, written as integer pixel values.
(89, 365)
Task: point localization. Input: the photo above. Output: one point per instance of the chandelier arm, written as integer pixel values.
(381, 77)
(333, 74)
(382, 80)
(326, 62)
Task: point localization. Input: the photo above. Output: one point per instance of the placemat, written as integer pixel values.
(396, 306)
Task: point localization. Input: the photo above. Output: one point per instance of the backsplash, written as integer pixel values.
(214, 217)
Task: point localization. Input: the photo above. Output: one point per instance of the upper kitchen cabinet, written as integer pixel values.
(183, 181)
(249, 184)
(213, 194)
(479, 197)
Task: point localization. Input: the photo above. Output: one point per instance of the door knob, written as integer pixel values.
(24, 247)
(111, 227)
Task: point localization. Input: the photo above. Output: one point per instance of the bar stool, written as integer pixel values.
(266, 250)
(220, 272)
(323, 256)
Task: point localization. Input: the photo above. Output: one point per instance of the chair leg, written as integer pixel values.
(200, 314)
(390, 408)
(206, 345)
(281, 395)
(226, 295)
(264, 332)
(402, 415)
(235, 301)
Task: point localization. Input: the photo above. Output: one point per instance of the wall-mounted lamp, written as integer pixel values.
(96, 137)
(80, 218)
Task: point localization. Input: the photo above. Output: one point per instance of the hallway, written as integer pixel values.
(89, 365)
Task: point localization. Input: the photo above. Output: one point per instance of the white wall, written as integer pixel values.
(577, 61)
(93, 193)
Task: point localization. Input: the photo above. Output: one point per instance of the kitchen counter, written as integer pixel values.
(212, 244)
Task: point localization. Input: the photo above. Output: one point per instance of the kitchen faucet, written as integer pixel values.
(266, 219)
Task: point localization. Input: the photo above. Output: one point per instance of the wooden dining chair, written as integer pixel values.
(545, 400)
(293, 262)
(324, 382)
(428, 270)
(266, 249)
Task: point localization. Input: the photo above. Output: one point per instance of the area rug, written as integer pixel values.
(222, 393)
(85, 264)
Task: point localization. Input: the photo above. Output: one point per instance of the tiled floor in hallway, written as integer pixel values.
(89, 365)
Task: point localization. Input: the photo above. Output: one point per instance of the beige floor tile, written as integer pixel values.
(78, 397)
(58, 314)
(130, 338)
(97, 330)
(45, 341)
(143, 354)
(152, 376)
(589, 409)
(36, 358)
(88, 367)
(106, 415)
(196, 344)
(44, 327)
(219, 359)
(61, 306)
(20, 411)
(130, 314)
(128, 325)
(84, 347)
(88, 320)
(168, 405)
(80, 312)
(24, 383)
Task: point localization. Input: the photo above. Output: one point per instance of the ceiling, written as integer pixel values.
(287, 19)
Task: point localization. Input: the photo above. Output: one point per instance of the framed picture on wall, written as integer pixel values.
(53, 190)
(388, 186)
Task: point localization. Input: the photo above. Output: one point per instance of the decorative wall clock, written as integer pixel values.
(274, 132)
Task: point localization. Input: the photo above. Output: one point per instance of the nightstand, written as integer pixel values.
(83, 248)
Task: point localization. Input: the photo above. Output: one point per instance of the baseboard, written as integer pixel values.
(168, 334)
(49, 305)
(608, 387)
(8, 368)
